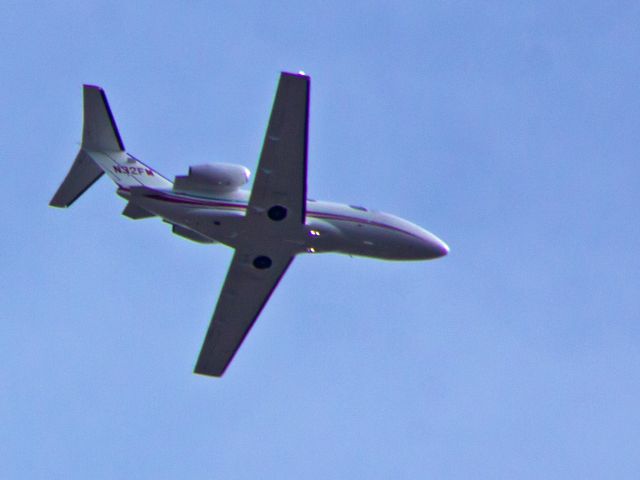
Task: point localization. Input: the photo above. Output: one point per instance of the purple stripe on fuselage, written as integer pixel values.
(168, 197)
(334, 216)
(194, 201)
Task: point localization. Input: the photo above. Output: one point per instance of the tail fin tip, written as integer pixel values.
(99, 131)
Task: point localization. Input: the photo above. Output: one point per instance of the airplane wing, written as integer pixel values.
(281, 178)
(277, 204)
(247, 288)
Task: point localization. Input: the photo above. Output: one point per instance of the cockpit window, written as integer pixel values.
(356, 207)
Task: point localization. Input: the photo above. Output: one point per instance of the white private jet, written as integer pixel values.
(267, 226)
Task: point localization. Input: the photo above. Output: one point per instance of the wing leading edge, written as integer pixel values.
(277, 205)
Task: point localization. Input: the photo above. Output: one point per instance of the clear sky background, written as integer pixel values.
(509, 129)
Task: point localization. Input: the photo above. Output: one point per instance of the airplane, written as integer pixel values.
(267, 226)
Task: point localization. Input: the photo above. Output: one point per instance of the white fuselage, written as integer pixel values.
(329, 227)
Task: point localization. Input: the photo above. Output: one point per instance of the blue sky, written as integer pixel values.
(509, 129)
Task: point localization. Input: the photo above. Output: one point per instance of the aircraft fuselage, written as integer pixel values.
(267, 226)
(329, 227)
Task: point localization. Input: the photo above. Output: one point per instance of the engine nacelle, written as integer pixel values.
(212, 178)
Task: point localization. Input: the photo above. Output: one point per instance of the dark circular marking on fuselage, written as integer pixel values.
(277, 213)
(261, 262)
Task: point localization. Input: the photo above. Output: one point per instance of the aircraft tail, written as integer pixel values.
(103, 151)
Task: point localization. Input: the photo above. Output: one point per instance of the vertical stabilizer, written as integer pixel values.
(99, 131)
(103, 151)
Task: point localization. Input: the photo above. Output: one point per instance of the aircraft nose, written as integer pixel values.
(415, 243)
(432, 246)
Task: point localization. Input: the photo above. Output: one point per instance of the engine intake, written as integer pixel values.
(212, 178)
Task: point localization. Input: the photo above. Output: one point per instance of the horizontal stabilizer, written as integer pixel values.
(83, 173)
(136, 212)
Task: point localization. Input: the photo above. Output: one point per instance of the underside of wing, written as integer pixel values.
(251, 279)
(280, 186)
(276, 209)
